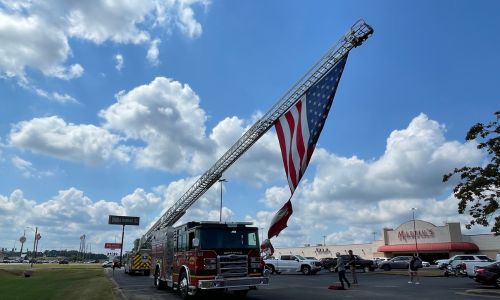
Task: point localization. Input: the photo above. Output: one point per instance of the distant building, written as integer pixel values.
(432, 242)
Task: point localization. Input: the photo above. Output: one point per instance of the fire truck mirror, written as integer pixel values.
(196, 242)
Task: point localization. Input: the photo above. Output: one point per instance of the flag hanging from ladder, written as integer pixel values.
(298, 131)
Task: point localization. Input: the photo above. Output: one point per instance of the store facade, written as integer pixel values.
(430, 241)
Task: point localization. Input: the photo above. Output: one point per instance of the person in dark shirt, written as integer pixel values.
(415, 263)
(352, 266)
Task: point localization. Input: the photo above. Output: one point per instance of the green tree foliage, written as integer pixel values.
(479, 187)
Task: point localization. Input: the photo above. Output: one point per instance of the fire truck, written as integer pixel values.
(138, 261)
(198, 256)
(207, 256)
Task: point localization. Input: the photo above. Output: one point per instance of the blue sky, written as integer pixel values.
(116, 109)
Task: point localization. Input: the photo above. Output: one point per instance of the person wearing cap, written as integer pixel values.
(341, 269)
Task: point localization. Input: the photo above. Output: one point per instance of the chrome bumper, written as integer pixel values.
(232, 283)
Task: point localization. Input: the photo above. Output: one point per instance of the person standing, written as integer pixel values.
(341, 269)
(352, 266)
(415, 263)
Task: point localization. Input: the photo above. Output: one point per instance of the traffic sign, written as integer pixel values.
(22, 239)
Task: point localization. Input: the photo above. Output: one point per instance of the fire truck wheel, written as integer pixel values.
(183, 286)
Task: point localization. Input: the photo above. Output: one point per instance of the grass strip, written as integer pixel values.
(73, 282)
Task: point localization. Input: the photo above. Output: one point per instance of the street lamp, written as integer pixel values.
(220, 214)
(414, 229)
(324, 240)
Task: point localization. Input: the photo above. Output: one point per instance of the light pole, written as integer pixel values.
(374, 233)
(324, 240)
(414, 229)
(220, 213)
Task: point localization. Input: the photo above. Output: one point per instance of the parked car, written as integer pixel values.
(442, 263)
(459, 259)
(107, 264)
(63, 262)
(470, 267)
(426, 264)
(292, 263)
(361, 263)
(378, 260)
(328, 263)
(489, 274)
(398, 262)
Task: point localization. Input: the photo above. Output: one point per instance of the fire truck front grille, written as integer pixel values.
(232, 265)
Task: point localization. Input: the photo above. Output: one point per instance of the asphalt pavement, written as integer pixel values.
(372, 285)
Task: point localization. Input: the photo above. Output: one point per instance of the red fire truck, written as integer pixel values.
(207, 256)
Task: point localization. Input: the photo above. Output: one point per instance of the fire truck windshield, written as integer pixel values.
(225, 238)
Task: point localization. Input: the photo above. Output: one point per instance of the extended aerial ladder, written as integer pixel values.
(357, 34)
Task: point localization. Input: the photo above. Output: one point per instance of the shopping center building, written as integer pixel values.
(430, 241)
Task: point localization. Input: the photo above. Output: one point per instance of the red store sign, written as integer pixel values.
(410, 234)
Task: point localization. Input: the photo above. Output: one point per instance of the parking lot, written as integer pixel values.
(373, 285)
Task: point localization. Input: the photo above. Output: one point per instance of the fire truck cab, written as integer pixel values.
(208, 256)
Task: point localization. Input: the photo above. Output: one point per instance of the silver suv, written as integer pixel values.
(458, 259)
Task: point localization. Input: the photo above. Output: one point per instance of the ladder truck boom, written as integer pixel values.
(357, 34)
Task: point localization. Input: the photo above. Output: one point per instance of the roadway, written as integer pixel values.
(373, 285)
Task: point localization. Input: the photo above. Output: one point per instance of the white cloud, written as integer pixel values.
(30, 41)
(36, 34)
(153, 52)
(346, 199)
(63, 218)
(24, 166)
(356, 194)
(119, 61)
(165, 115)
(54, 137)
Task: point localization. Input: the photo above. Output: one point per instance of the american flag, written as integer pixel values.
(299, 128)
(298, 131)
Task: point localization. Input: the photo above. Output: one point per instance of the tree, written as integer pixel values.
(479, 187)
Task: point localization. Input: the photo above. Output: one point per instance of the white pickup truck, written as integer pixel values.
(470, 262)
(292, 263)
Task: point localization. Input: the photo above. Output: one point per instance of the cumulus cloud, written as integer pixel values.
(63, 218)
(357, 194)
(54, 137)
(36, 34)
(346, 199)
(165, 114)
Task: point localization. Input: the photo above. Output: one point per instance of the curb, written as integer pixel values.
(117, 292)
